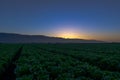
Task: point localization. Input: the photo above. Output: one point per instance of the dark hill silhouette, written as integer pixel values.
(18, 38)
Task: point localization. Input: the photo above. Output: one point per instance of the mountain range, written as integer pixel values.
(19, 38)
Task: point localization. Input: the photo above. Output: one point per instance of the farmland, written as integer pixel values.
(60, 61)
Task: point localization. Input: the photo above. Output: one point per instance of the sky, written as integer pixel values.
(84, 19)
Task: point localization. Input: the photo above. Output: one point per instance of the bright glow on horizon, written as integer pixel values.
(68, 35)
(69, 32)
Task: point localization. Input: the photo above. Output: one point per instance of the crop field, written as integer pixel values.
(60, 61)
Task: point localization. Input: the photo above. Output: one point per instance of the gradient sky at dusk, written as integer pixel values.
(87, 19)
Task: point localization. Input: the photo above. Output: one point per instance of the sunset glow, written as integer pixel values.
(67, 32)
(68, 35)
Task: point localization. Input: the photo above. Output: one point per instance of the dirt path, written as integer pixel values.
(9, 72)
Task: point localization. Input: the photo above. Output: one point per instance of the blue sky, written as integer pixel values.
(90, 19)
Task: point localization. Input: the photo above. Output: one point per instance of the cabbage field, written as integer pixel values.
(60, 61)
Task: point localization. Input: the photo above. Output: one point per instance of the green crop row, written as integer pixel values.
(103, 61)
(62, 61)
(39, 64)
(7, 52)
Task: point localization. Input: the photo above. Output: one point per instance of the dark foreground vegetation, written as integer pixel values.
(60, 61)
